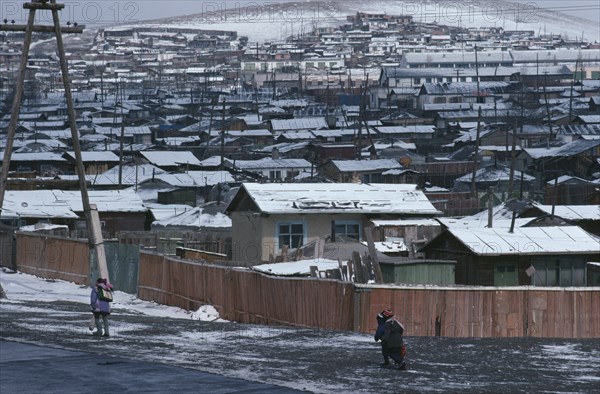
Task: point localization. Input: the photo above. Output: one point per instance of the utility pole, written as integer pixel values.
(547, 109)
(91, 214)
(476, 156)
(121, 142)
(477, 73)
(571, 94)
(222, 167)
(512, 162)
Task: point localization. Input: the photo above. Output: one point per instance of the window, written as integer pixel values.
(417, 81)
(274, 175)
(563, 272)
(290, 234)
(350, 229)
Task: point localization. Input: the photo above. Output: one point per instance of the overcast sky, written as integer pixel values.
(105, 12)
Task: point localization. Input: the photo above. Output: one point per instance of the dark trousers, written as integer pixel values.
(393, 353)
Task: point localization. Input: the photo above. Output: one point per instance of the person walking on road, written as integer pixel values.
(390, 331)
(379, 334)
(100, 299)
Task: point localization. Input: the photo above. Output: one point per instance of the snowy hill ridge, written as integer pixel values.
(275, 20)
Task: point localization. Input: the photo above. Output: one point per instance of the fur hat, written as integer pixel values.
(387, 313)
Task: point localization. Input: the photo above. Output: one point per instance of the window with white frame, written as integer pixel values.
(290, 234)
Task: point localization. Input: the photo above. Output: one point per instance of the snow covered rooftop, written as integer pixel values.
(165, 211)
(296, 268)
(390, 246)
(573, 212)
(35, 204)
(64, 203)
(366, 165)
(279, 125)
(414, 129)
(527, 240)
(493, 173)
(96, 156)
(195, 218)
(130, 175)
(41, 156)
(268, 163)
(406, 222)
(170, 158)
(289, 198)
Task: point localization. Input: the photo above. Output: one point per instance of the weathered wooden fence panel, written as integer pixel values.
(487, 312)
(246, 296)
(53, 257)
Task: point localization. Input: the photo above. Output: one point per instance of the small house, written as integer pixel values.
(270, 218)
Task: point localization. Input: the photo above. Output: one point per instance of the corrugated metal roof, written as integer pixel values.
(527, 240)
(298, 124)
(580, 129)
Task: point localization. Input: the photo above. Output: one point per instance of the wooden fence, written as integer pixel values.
(53, 257)
(487, 312)
(250, 297)
(246, 296)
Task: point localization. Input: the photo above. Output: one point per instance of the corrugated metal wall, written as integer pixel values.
(69, 259)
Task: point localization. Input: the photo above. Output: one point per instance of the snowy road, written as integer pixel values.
(305, 359)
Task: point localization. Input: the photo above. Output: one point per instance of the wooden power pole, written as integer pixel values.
(91, 214)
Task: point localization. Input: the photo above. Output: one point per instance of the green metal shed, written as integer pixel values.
(418, 271)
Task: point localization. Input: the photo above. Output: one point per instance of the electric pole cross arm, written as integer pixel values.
(42, 5)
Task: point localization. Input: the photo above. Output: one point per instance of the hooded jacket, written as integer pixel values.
(96, 303)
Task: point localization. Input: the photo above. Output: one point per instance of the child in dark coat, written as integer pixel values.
(389, 331)
(379, 334)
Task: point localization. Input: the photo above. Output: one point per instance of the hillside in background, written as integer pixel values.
(278, 20)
